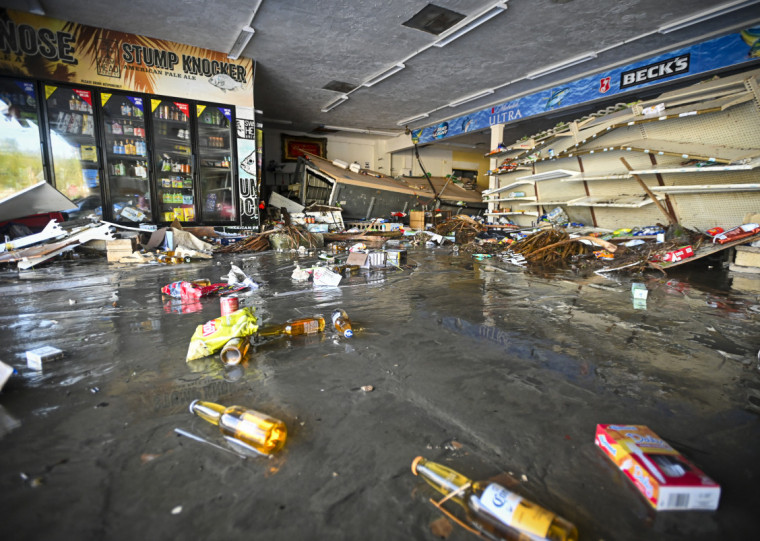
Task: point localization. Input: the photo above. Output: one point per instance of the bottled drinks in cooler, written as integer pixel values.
(493, 508)
(263, 433)
(292, 327)
(342, 323)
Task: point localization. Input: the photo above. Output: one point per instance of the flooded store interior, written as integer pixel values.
(385, 271)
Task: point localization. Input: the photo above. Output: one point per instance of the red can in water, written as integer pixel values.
(228, 304)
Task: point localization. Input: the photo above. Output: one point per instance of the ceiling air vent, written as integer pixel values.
(434, 19)
(339, 86)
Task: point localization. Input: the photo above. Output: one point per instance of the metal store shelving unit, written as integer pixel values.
(697, 148)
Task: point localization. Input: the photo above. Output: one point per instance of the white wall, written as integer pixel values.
(368, 150)
(437, 161)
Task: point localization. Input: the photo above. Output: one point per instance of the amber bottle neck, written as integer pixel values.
(207, 411)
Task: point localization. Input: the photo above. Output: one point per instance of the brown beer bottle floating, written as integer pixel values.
(342, 323)
(235, 350)
(263, 433)
(292, 327)
(492, 509)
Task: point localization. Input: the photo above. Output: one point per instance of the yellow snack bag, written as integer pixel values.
(212, 335)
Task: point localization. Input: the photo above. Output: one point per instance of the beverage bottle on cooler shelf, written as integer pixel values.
(263, 433)
(292, 327)
(342, 323)
(491, 507)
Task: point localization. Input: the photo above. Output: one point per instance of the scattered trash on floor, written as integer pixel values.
(203, 440)
(37, 359)
(252, 429)
(491, 509)
(294, 327)
(342, 323)
(235, 350)
(213, 335)
(666, 479)
(237, 278)
(5, 373)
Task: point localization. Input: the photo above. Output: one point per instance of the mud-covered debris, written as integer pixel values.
(441, 528)
(462, 227)
(452, 445)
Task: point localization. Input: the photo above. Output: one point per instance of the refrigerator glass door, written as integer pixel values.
(126, 156)
(20, 145)
(215, 156)
(76, 165)
(173, 160)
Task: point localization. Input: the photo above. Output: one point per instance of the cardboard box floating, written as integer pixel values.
(666, 479)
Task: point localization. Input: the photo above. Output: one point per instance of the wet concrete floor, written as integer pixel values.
(476, 364)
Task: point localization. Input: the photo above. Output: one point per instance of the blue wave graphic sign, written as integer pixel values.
(726, 51)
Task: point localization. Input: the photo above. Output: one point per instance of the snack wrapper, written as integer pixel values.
(196, 290)
(737, 233)
(213, 335)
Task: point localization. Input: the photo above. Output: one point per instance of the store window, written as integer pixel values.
(20, 150)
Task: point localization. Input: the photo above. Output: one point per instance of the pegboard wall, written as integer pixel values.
(737, 127)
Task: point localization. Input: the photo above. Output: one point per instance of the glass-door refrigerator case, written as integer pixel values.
(173, 160)
(73, 145)
(126, 158)
(217, 188)
(20, 137)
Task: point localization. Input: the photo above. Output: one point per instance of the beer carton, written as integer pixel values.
(667, 480)
(37, 358)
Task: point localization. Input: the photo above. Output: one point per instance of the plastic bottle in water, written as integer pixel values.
(263, 433)
(494, 509)
(342, 323)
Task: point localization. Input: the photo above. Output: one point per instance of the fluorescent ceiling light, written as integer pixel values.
(384, 75)
(471, 97)
(702, 16)
(240, 43)
(412, 119)
(488, 14)
(334, 104)
(562, 65)
(362, 130)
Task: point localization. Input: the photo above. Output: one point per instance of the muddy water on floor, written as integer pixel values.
(478, 364)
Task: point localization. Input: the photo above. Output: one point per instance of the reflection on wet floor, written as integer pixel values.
(515, 367)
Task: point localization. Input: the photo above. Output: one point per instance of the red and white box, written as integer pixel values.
(678, 255)
(667, 480)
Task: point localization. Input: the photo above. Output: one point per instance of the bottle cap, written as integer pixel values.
(414, 464)
(193, 404)
(349, 333)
